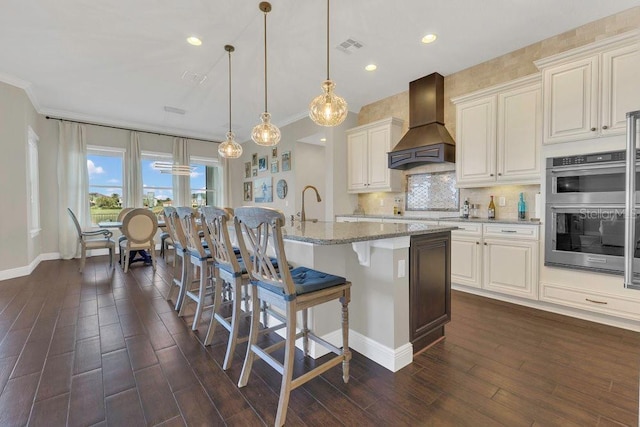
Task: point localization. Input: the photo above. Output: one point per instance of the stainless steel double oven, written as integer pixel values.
(585, 212)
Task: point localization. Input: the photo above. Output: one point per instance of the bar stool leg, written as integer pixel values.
(217, 301)
(201, 293)
(289, 356)
(253, 339)
(235, 324)
(345, 335)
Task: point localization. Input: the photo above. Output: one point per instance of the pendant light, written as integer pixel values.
(266, 133)
(328, 109)
(230, 149)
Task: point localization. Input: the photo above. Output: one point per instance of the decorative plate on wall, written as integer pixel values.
(281, 189)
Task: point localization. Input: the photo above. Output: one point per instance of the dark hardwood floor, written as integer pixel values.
(104, 348)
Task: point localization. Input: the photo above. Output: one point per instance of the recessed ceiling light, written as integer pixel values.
(323, 139)
(429, 38)
(371, 67)
(194, 41)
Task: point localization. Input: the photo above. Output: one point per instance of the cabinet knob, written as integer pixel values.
(477, 243)
(593, 129)
(491, 174)
(605, 127)
(499, 174)
(485, 244)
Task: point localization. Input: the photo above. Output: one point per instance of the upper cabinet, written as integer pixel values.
(588, 90)
(367, 148)
(499, 134)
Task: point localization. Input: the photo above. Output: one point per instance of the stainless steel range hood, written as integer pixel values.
(427, 140)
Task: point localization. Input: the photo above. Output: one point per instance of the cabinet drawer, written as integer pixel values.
(464, 228)
(517, 231)
(591, 301)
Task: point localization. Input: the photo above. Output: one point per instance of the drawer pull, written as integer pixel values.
(596, 302)
(509, 231)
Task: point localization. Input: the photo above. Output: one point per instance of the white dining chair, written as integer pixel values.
(96, 239)
(139, 226)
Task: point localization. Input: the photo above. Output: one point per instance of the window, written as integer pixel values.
(157, 190)
(33, 182)
(206, 182)
(105, 183)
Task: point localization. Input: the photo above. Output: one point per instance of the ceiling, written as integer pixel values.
(122, 61)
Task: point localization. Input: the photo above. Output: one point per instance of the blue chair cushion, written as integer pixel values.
(306, 280)
(195, 254)
(243, 268)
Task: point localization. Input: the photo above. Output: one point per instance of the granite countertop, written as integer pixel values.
(337, 233)
(444, 218)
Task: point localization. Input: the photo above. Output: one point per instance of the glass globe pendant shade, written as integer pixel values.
(230, 149)
(266, 133)
(328, 109)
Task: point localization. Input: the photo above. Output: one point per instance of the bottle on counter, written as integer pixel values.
(492, 210)
(465, 209)
(522, 208)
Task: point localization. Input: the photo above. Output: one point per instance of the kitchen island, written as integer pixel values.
(387, 310)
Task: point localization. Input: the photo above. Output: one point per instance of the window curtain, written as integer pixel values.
(181, 183)
(73, 186)
(133, 173)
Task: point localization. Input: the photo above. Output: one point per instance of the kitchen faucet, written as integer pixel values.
(303, 217)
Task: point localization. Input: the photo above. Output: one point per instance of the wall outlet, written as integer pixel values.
(401, 268)
(502, 201)
(381, 202)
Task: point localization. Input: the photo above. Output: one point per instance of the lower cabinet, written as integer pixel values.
(511, 267)
(429, 288)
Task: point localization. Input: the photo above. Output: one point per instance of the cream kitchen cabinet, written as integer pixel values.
(499, 134)
(367, 148)
(510, 259)
(466, 253)
(588, 90)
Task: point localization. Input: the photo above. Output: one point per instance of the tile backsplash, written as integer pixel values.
(432, 191)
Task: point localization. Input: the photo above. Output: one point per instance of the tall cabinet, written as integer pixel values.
(498, 134)
(367, 148)
(588, 90)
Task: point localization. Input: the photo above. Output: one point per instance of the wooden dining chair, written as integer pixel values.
(291, 291)
(122, 238)
(96, 239)
(139, 226)
(200, 259)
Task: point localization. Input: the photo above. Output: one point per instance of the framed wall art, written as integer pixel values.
(262, 164)
(274, 166)
(286, 161)
(263, 190)
(248, 191)
(247, 170)
(254, 172)
(254, 159)
(274, 152)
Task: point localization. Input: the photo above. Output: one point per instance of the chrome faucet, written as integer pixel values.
(303, 217)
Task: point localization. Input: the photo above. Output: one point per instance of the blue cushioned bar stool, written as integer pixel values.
(290, 291)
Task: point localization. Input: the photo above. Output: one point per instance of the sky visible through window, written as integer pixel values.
(105, 177)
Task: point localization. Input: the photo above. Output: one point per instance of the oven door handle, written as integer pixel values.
(588, 207)
(585, 168)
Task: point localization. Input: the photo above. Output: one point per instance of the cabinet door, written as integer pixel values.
(378, 165)
(511, 267)
(429, 288)
(620, 88)
(571, 101)
(357, 161)
(466, 261)
(519, 134)
(476, 141)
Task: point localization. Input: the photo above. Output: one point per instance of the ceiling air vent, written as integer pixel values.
(195, 78)
(174, 110)
(349, 45)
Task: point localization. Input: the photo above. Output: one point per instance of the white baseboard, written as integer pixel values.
(27, 269)
(554, 308)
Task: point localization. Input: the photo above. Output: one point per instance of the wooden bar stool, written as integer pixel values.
(200, 258)
(291, 291)
(174, 228)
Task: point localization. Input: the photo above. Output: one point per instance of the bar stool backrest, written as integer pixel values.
(215, 223)
(254, 227)
(174, 227)
(191, 232)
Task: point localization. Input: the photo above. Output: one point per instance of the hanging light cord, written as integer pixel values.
(328, 40)
(265, 62)
(229, 52)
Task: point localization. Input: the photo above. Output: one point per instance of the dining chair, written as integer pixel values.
(122, 238)
(200, 259)
(176, 232)
(139, 226)
(89, 240)
(231, 277)
(291, 291)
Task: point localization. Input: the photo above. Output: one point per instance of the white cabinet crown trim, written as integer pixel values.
(386, 121)
(502, 87)
(589, 49)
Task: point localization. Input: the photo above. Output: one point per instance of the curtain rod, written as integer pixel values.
(129, 129)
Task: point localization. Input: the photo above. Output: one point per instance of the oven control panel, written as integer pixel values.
(585, 159)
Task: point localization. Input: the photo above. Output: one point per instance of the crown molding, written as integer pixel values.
(24, 85)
